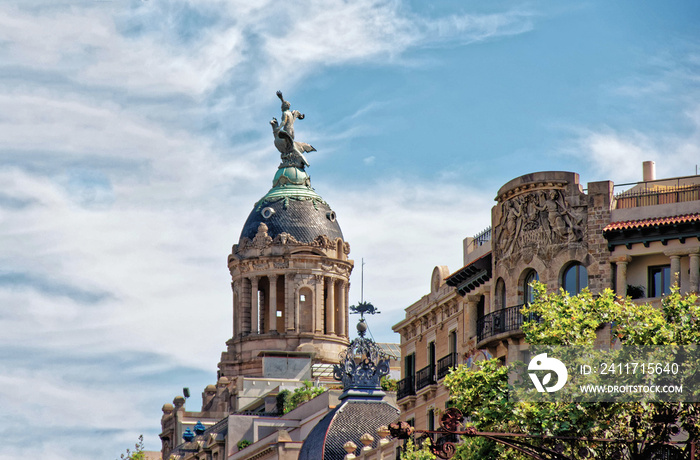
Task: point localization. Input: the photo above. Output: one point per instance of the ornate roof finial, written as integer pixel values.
(292, 152)
(362, 366)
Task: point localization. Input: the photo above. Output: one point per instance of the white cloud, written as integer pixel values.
(125, 200)
(619, 155)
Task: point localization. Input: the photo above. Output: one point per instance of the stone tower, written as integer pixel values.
(289, 274)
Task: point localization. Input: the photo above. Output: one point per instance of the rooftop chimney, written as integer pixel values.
(649, 171)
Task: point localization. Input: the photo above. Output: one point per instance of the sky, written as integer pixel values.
(134, 141)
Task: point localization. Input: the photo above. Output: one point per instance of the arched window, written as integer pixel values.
(500, 294)
(575, 278)
(529, 296)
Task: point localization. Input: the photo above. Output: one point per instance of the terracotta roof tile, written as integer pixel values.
(652, 222)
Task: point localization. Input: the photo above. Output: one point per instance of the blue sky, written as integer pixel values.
(134, 140)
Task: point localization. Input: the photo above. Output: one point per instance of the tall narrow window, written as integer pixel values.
(409, 366)
(452, 342)
(659, 280)
(431, 356)
(575, 279)
(500, 294)
(527, 288)
(431, 420)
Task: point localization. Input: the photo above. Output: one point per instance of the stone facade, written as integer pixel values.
(545, 227)
(288, 296)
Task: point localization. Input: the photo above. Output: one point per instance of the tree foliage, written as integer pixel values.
(389, 384)
(482, 392)
(290, 400)
(138, 452)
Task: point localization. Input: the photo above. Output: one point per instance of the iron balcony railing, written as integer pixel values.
(446, 363)
(425, 377)
(481, 238)
(505, 320)
(657, 195)
(405, 388)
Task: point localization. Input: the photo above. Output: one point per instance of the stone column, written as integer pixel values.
(347, 308)
(318, 311)
(694, 272)
(236, 314)
(254, 322)
(342, 311)
(330, 307)
(273, 303)
(675, 269)
(621, 280)
(290, 301)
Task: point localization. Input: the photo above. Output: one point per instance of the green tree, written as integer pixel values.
(482, 392)
(290, 400)
(389, 384)
(138, 452)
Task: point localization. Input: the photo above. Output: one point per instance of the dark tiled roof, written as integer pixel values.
(348, 422)
(303, 219)
(652, 222)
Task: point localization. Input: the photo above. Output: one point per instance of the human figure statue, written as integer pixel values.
(292, 152)
(510, 226)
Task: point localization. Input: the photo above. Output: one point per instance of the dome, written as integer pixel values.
(348, 422)
(292, 207)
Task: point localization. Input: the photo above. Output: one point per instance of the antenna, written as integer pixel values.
(363, 307)
(362, 277)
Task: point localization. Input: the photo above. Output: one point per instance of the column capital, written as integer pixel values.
(624, 259)
(472, 298)
(681, 252)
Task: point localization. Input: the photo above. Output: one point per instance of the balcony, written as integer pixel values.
(405, 388)
(425, 377)
(657, 194)
(446, 363)
(505, 320)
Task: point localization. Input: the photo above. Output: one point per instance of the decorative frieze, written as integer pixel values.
(539, 222)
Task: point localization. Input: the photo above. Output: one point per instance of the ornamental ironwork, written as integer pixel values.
(442, 442)
(362, 363)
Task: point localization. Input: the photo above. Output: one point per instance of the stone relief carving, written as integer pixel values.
(262, 240)
(285, 238)
(540, 222)
(322, 241)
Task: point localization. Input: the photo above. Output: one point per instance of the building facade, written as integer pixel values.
(545, 226)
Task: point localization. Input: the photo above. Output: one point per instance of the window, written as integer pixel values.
(431, 420)
(659, 280)
(452, 342)
(527, 289)
(575, 279)
(431, 356)
(500, 294)
(409, 367)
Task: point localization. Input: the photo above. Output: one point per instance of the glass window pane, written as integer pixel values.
(582, 278)
(529, 292)
(666, 279)
(570, 280)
